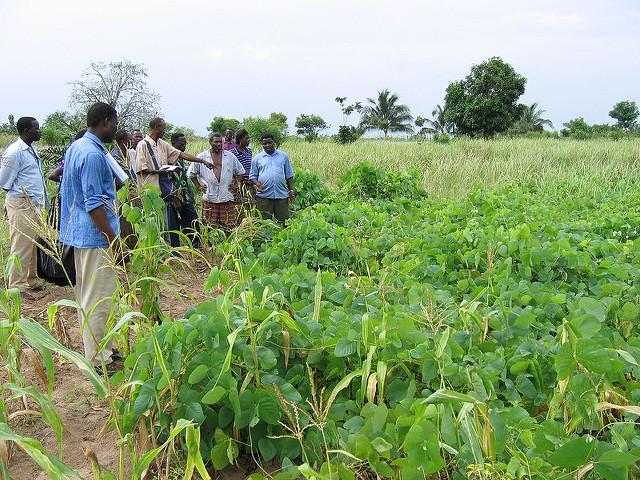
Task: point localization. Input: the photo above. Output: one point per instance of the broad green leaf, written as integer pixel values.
(525, 320)
(267, 406)
(627, 357)
(381, 445)
(225, 450)
(593, 356)
(213, 279)
(575, 453)
(194, 412)
(266, 358)
(224, 277)
(145, 398)
(379, 418)
(593, 307)
(198, 374)
(588, 325)
(267, 449)
(214, 395)
(565, 363)
(525, 386)
(617, 459)
(345, 347)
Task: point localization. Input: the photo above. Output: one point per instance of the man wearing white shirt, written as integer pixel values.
(218, 208)
(21, 177)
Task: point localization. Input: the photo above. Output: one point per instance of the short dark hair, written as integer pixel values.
(265, 136)
(121, 134)
(98, 112)
(24, 124)
(213, 135)
(154, 122)
(176, 136)
(240, 134)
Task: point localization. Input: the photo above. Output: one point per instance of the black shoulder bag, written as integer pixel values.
(50, 270)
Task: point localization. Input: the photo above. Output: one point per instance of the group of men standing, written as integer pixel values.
(89, 212)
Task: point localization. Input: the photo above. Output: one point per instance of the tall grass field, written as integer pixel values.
(453, 169)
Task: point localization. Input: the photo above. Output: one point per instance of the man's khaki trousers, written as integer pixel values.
(22, 215)
(95, 285)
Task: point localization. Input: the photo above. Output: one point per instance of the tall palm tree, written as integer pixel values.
(437, 126)
(386, 115)
(531, 119)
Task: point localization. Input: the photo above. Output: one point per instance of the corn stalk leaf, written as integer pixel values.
(50, 464)
(41, 339)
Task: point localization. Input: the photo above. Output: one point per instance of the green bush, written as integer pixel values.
(220, 124)
(346, 134)
(257, 126)
(364, 181)
(441, 138)
(309, 189)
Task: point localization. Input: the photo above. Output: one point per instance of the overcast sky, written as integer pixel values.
(238, 59)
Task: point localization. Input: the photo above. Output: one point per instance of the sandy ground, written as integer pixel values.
(82, 411)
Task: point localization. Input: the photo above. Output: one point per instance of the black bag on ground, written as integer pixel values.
(51, 271)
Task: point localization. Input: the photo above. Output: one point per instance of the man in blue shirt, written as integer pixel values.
(89, 222)
(272, 174)
(21, 177)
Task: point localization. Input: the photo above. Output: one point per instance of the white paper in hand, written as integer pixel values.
(119, 173)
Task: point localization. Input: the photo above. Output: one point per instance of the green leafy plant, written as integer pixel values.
(309, 189)
(364, 181)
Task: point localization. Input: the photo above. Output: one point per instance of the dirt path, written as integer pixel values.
(83, 412)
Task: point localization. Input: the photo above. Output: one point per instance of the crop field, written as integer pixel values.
(449, 170)
(476, 318)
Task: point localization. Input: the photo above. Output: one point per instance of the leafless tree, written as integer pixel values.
(120, 84)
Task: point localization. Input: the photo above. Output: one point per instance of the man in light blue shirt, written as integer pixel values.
(89, 222)
(21, 177)
(272, 174)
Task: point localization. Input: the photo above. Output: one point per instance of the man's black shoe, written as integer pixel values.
(114, 367)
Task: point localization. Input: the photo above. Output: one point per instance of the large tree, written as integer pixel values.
(531, 119)
(626, 113)
(276, 125)
(220, 124)
(485, 102)
(120, 84)
(386, 114)
(310, 125)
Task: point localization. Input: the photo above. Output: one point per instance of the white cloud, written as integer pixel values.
(255, 52)
(216, 53)
(250, 51)
(548, 19)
